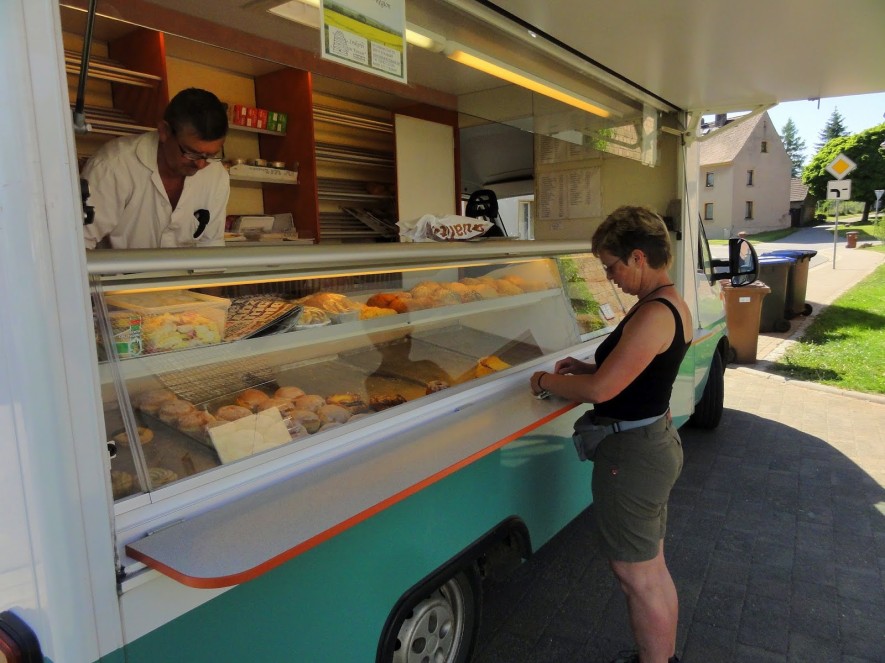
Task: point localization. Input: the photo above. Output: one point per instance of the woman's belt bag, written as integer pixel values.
(589, 434)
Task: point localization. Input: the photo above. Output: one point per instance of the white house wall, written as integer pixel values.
(770, 192)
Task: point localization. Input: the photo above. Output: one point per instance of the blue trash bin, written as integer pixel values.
(797, 282)
(774, 272)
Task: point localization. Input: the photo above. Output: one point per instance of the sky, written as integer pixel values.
(859, 112)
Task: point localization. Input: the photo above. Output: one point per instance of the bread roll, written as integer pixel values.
(283, 405)
(251, 398)
(333, 413)
(195, 423)
(171, 411)
(289, 393)
(150, 401)
(232, 412)
(307, 418)
(312, 402)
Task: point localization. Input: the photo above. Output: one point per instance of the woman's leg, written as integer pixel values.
(652, 604)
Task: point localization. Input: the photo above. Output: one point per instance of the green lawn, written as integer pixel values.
(845, 344)
(767, 236)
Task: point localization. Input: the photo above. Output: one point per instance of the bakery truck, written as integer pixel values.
(356, 526)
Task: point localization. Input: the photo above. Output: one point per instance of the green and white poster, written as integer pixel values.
(369, 35)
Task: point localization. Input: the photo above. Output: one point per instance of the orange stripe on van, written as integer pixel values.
(250, 574)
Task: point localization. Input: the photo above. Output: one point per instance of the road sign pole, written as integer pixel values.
(835, 233)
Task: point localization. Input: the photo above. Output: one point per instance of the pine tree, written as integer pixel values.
(794, 146)
(834, 128)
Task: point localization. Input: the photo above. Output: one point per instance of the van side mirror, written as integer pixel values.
(742, 266)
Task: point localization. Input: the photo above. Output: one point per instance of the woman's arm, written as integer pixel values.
(648, 333)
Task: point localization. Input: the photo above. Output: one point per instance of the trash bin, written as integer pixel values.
(851, 239)
(743, 308)
(774, 272)
(797, 282)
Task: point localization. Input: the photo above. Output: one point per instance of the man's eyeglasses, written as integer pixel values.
(611, 266)
(196, 156)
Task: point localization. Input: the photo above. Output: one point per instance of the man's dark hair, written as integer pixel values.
(199, 110)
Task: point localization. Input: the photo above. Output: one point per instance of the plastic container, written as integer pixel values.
(175, 319)
(797, 282)
(743, 308)
(774, 272)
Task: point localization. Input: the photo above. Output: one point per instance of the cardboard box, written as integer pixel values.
(175, 319)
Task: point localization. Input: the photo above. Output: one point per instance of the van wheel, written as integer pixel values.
(708, 411)
(443, 626)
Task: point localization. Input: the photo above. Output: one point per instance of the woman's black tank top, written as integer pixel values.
(649, 394)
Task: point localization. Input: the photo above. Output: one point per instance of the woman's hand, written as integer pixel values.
(535, 382)
(573, 366)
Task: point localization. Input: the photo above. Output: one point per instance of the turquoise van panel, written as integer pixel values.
(331, 603)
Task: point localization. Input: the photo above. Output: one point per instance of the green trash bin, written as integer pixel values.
(797, 282)
(774, 272)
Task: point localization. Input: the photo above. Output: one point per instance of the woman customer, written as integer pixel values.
(630, 384)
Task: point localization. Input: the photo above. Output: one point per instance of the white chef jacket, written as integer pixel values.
(132, 208)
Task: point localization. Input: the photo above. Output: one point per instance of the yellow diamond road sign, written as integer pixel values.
(841, 166)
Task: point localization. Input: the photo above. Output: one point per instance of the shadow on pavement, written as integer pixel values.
(776, 542)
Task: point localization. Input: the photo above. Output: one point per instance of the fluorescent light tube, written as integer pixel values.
(511, 74)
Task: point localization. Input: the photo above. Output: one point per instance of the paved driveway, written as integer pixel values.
(776, 544)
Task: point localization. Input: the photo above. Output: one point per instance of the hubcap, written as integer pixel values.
(434, 631)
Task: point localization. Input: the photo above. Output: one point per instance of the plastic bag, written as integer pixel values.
(449, 228)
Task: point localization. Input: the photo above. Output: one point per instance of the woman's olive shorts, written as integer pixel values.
(633, 473)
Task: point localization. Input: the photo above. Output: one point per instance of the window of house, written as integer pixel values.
(709, 179)
(749, 178)
(765, 146)
(708, 211)
(748, 210)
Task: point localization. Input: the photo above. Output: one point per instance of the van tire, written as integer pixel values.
(443, 625)
(708, 411)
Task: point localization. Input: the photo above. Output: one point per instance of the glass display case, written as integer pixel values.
(211, 357)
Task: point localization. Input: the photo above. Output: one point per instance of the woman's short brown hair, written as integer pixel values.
(632, 227)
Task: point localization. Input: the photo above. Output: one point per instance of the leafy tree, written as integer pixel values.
(865, 150)
(834, 128)
(794, 145)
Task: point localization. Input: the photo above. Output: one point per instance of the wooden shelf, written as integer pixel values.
(110, 70)
(253, 130)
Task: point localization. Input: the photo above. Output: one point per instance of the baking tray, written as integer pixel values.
(482, 344)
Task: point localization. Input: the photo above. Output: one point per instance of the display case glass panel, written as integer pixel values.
(205, 372)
